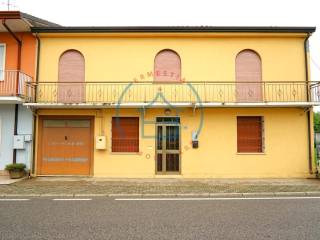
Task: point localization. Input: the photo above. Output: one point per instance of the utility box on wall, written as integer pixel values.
(18, 142)
(101, 143)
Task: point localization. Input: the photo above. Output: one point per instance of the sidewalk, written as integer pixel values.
(5, 180)
(57, 186)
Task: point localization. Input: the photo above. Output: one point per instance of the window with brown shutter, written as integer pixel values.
(125, 134)
(248, 76)
(167, 66)
(250, 134)
(71, 77)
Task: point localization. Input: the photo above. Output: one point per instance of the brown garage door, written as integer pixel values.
(65, 147)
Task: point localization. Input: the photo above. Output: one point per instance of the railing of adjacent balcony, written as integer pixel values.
(13, 83)
(186, 92)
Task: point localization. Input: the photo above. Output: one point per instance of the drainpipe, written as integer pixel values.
(16, 109)
(35, 115)
(306, 50)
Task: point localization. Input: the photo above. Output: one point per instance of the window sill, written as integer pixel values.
(125, 153)
(251, 153)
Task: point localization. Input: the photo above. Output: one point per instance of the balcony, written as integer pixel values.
(13, 85)
(144, 94)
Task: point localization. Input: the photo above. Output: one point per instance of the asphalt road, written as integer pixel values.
(107, 218)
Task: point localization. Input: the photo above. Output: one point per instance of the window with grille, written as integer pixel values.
(250, 134)
(125, 134)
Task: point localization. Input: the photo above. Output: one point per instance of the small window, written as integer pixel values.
(2, 60)
(250, 134)
(167, 66)
(125, 134)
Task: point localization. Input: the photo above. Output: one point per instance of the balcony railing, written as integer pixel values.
(13, 83)
(171, 93)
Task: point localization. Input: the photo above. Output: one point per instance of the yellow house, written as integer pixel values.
(185, 102)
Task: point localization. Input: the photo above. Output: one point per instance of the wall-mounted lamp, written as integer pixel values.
(167, 111)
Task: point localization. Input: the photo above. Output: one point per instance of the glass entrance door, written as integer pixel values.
(168, 145)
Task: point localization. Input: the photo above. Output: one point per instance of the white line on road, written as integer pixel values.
(214, 199)
(13, 199)
(72, 199)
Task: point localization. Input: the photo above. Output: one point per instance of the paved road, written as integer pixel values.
(107, 218)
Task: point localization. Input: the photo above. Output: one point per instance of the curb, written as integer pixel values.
(215, 195)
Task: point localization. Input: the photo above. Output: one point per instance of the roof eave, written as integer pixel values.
(157, 29)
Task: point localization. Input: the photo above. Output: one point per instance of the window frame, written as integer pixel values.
(2, 75)
(111, 136)
(262, 120)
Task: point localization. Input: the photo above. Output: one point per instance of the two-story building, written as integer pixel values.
(18, 56)
(216, 102)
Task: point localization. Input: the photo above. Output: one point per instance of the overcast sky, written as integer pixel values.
(181, 12)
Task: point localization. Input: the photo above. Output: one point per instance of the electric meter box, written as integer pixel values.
(18, 142)
(101, 142)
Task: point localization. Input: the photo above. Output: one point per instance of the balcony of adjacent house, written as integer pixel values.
(179, 94)
(13, 85)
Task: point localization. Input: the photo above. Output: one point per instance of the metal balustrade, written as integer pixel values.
(184, 92)
(13, 83)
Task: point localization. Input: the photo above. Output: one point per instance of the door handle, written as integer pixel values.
(65, 138)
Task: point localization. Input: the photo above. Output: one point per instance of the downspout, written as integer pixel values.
(306, 50)
(35, 115)
(16, 109)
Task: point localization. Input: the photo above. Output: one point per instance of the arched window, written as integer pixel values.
(71, 77)
(248, 76)
(167, 66)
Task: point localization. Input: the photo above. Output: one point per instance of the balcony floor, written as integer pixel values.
(165, 105)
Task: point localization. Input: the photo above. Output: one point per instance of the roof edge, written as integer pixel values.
(34, 21)
(168, 29)
(40, 21)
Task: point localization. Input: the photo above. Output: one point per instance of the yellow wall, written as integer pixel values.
(207, 58)
(204, 58)
(286, 146)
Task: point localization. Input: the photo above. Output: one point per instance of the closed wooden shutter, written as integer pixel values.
(249, 134)
(71, 77)
(167, 66)
(248, 77)
(125, 134)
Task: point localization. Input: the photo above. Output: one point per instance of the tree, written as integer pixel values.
(316, 121)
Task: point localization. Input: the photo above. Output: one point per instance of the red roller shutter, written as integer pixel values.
(125, 134)
(249, 134)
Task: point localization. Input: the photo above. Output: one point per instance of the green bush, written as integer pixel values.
(16, 166)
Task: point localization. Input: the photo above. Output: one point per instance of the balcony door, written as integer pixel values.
(248, 77)
(168, 145)
(71, 87)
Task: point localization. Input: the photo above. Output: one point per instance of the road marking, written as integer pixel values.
(13, 199)
(72, 199)
(214, 199)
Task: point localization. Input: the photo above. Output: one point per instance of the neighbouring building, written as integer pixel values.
(190, 102)
(18, 56)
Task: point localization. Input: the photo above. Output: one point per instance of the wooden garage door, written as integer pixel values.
(66, 146)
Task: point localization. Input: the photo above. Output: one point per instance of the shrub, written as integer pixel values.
(16, 166)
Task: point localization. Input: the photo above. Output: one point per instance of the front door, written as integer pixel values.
(66, 146)
(168, 145)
